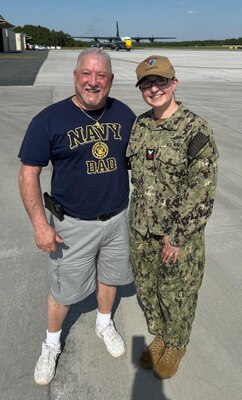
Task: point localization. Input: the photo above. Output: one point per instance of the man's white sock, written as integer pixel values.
(103, 319)
(53, 338)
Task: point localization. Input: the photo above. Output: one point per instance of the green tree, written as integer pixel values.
(42, 35)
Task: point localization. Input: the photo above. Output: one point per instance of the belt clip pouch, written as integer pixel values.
(53, 206)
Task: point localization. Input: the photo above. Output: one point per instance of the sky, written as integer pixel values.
(185, 20)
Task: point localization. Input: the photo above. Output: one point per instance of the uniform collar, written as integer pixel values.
(170, 124)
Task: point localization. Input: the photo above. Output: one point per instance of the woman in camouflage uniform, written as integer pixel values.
(174, 174)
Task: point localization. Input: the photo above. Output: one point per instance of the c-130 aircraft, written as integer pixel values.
(119, 42)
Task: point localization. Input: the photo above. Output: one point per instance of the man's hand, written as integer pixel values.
(46, 238)
(169, 252)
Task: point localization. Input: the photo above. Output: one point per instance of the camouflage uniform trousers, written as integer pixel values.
(168, 292)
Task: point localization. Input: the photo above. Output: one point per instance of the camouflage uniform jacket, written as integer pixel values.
(174, 175)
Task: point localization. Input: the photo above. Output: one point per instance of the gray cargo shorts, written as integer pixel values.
(92, 250)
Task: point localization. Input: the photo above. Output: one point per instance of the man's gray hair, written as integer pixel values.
(96, 52)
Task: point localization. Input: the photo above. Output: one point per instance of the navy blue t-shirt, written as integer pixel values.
(90, 176)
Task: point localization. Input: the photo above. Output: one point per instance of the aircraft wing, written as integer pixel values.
(115, 38)
(120, 38)
(151, 38)
(96, 37)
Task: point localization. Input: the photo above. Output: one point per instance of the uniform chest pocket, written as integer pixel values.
(171, 164)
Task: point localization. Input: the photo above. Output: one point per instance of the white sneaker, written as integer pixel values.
(113, 341)
(45, 368)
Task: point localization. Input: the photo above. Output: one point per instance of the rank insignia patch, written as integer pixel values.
(150, 154)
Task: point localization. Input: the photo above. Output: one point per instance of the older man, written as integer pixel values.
(85, 138)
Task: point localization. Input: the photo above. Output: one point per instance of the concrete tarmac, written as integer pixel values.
(210, 84)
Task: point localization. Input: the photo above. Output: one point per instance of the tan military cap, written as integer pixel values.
(155, 65)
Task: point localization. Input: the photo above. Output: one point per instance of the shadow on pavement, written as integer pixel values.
(89, 304)
(146, 386)
(21, 69)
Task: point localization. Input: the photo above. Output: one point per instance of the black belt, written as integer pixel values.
(104, 217)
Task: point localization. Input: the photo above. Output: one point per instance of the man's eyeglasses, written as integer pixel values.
(147, 84)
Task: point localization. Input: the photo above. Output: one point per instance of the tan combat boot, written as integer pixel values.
(168, 363)
(152, 353)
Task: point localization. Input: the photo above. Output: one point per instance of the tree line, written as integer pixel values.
(41, 35)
